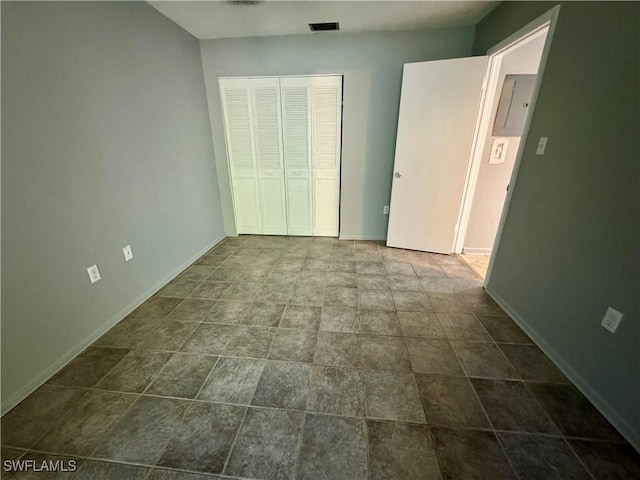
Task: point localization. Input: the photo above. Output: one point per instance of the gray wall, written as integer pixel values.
(570, 242)
(491, 187)
(108, 143)
(372, 67)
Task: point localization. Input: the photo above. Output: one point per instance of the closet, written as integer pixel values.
(283, 148)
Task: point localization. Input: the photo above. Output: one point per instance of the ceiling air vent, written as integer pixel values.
(323, 27)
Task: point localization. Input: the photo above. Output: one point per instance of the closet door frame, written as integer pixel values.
(334, 231)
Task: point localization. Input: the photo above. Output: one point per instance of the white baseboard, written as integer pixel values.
(362, 237)
(602, 405)
(62, 362)
(476, 251)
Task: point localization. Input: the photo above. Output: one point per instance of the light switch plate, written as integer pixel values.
(498, 150)
(94, 273)
(128, 254)
(542, 145)
(611, 319)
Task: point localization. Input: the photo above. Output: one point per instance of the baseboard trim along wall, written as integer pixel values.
(40, 380)
(373, 238)
(476, 251)
(604, 407)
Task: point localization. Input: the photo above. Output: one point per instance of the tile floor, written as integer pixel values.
(478, 263)
(278, 358)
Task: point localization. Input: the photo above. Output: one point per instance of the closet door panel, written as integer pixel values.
(326, 118)
(236, 106)
(267, 124)
(296, 134)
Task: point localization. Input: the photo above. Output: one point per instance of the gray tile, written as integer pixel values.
(536, 457)
(340, 296)
(459, 271)
(210, 338)
(433, 356)
(615, 461)
(470, 455)
(293, 344)
(400, 450)
(264, 314)
(128, 333)
(429, 270)
(228, 311)
(204, 439)
(398, 268)
(403, 405)
(463, 327)
(159, 474)
(89, 367)
(301, 316)
(267, 445)
(156, 307)
(483, 360)
(233, 380)
(532, 364)
(411, 302)
(373, 282)
(409, 283)
(211, 290)
(280, 277)
(336, 391)
(571, 411)
(312, 278)
(482, 304)
(468, 286)
(178, 288)
(341, 279)
(197, 272)
(450, 401)
(241, 291)
(86, 424)
(448, 303)
(144, 432)
(275, 293)
(252, 274)
(7, 453)
(504, 330)
(343, 266)
(370, 268)
(250, 341)
(379, 322)
(436, 284)
(182, 376)
(332, 448)
(384, 353)
(167, 335)
(376, 300)
(94, 470)
(420, 324)
(339, 319)
(283, 385)
(224, 274)
(37, 414)
(194, 309)
(338, 349)
(134, 372)
(511, 407)
(307, 295)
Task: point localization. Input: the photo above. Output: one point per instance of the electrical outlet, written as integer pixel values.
(128, 254)
(94, 273)
(611, 319)
(385, 210)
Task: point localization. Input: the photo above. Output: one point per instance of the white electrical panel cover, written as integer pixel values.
(514, 105)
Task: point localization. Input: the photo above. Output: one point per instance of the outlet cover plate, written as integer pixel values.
(94, 273)
(611, 319)
(128, 254)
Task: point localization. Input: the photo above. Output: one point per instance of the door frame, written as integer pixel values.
(534, 28)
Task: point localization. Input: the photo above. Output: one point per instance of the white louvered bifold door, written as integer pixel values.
(296, 134)
(236, 107)
(326, 117)
(265, 95)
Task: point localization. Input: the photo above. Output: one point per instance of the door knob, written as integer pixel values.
(398, 175)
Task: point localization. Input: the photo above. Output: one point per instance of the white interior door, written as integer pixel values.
(236, 105)
(265, 96)
(326, 127)
(296, 133)
(438, 110)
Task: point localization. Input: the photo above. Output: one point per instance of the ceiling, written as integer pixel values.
(232, 19)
